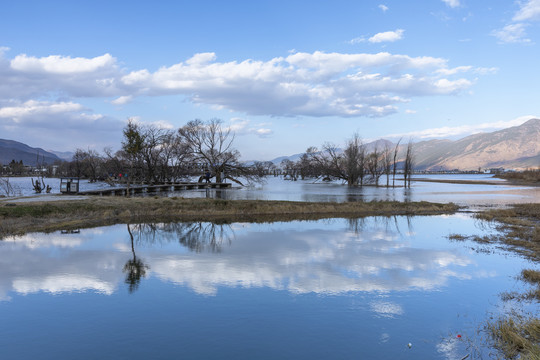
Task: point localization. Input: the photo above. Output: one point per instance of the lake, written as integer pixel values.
(470, 195)
(335, 288)
(275, 188)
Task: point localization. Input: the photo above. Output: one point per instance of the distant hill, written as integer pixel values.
(64, 155)
(14, 150)
(379, 144)
(516, 147)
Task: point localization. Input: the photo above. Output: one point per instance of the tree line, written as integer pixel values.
(151, 154)
(355, 164)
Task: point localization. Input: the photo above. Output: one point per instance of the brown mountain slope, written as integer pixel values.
(516, 148)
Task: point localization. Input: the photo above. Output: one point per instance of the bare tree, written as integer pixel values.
(174, 157)
(387, 163)
(289, 169)
(211, 145)
(409, 164)
(374, 165)
(153, 151)
(394, 164)
(347, 165)
(354, 157)
(6, 189)
(87, 163)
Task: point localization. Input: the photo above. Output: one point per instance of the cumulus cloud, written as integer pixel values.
(387, 36)
(299, 84)
(61, 64)
(448, 131)
(383, 7)
(34, 108)
(25, 77)
(309, 84)
(43, 122)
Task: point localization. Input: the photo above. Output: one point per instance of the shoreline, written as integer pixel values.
(35, 214)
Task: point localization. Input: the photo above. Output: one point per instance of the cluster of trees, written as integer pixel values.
(150, 154)
(14, 168)
(355, 164)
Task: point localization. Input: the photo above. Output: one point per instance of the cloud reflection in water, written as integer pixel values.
(324, 257)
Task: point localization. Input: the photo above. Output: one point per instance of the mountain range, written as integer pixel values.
(516, 147)
(14, 150)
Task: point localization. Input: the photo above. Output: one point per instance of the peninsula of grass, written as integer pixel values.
(45, 216)
(527, 177)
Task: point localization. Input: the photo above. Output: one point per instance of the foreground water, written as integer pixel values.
(340, 289)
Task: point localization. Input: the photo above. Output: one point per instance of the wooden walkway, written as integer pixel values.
(142, 189)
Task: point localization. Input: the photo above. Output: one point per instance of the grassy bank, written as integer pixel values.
(516, 335)
(19, 218)
(527, 177)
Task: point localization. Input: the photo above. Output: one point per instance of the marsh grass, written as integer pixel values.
(529, 177)
(97, 211)
(515, 335)
(519, 227)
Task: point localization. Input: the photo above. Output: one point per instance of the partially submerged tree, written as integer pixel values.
(408, 165)
(394, 163)
(210, 145)
(347, 165)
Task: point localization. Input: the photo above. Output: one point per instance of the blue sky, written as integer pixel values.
(283, 75)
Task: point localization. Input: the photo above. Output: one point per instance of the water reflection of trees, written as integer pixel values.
(134, 268)
(196, 236)
(358, 225)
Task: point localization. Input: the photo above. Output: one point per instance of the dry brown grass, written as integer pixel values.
(516, 337)
(519, 226)
(528, 177)
(97, 211)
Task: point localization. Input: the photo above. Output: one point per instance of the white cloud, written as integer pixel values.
(44, 122)
(387, 36)
(61, 64)
(513, 33)
(243, 127)
(447, 131)
(383, 7)
(529, 11)
(300, 84)
(310, 84)
(357, 40)
(452, 3)
(32, 108)
(122, 100)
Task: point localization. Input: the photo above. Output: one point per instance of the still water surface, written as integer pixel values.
(339, 289)
(471, 195)
(275, 188)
